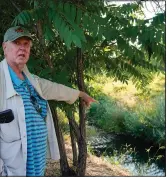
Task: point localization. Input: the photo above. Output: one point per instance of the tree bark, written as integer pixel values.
(82, 146)
(65, 169)
(73, 136)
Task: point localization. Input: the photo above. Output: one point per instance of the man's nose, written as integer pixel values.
(22, 46)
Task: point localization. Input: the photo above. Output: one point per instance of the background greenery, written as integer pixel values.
(124, 109)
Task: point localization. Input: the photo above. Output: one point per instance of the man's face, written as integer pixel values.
(17, 52)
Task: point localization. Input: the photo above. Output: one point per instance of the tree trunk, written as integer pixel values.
(65, 169)
(71, 118)
(82, 146)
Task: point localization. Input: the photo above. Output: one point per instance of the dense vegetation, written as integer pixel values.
(145, 118)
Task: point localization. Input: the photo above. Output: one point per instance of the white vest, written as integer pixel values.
(10, 148)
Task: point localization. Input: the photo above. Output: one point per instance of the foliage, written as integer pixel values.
(145, 123)
(148, 123)
(155, 120)
(107, 115)
(113, 38)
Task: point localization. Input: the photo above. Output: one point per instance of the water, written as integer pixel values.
(129, 152)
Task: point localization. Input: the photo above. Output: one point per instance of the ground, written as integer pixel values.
(96, 166)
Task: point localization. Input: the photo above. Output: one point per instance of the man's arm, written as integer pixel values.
(59, 92)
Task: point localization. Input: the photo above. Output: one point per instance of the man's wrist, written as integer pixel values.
(81, 94)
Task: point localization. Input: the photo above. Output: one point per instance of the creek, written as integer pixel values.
(136, 155)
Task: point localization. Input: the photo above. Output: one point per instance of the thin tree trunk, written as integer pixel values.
(65, 169)
(71, 118)
(82, 146)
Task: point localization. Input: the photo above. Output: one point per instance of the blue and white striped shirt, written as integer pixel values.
(35, 126)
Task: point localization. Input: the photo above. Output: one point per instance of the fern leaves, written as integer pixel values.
(63, 18)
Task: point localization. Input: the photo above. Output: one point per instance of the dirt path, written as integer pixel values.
(95, 166)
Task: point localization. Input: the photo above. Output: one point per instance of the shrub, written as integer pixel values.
(146, 121)
(156, 121)
(107, 115)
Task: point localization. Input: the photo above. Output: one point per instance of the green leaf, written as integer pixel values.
(61, 30)
(21, 19)
(73, 12)
(67, 9)
(77, 30)
(60, 6)
(52, 5)
(27, 17)
(49, 34)
(51, 15)
(57, 20)
(80, 34)
(79, 16)
(67, 37)
(76, 41)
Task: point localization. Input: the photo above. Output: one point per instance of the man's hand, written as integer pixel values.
(87, 99)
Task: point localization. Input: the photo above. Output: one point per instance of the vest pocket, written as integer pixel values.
(9, 132)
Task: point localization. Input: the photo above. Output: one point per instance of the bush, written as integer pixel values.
(156, 121)
(107, 115)
(147, 122)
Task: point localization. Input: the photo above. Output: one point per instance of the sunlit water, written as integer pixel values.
(129, 152)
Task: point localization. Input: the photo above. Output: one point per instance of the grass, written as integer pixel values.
(129, 96)
(124, 109)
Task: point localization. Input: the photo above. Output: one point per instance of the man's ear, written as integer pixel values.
(4, 45)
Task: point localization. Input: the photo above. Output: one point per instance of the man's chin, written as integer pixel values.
(21, 64)
(22, 61)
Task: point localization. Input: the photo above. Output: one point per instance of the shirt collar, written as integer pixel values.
(14, 77)
(10, 91)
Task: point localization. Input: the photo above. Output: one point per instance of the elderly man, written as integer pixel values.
(27, 134)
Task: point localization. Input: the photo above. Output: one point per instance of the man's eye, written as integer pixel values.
(15, 42)
(27, 44)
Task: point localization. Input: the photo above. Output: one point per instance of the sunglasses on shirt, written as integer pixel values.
(34, 101)
(35, 104)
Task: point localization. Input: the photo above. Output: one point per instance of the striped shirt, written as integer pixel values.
(35, 126)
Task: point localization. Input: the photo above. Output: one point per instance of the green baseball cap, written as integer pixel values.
(16, 32)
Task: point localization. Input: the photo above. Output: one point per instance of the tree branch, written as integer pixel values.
(15, 6)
